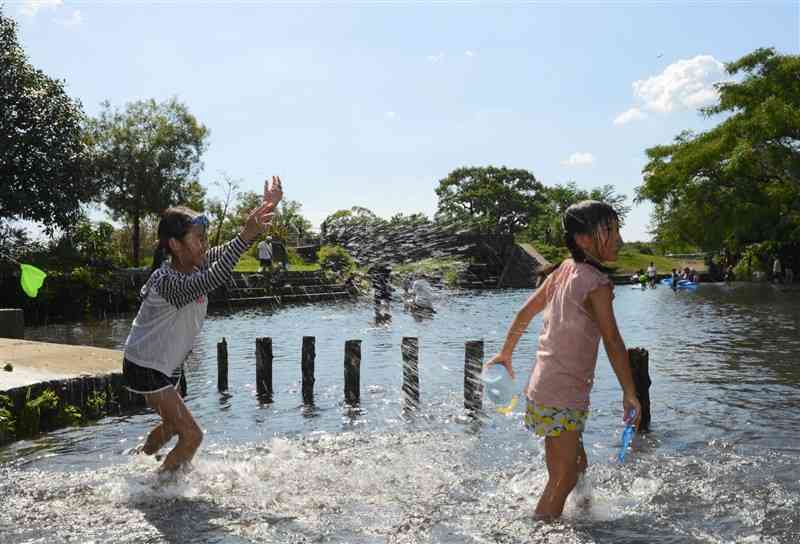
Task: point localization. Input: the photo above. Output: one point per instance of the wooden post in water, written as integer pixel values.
(410, 351)
(182, 389)
(307, 368)
(473, 363)
(352, 372)
(264, 368)
(222, 365)
(640, 363)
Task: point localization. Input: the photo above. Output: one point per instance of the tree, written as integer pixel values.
(412, 220)
(42, 151)
(740, 181)
(290, 217)
(548, 227)
(146, 157)
(496, 200)
(194, 196)
(219, 208)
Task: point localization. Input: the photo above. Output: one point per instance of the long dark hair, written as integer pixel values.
(587, 217)
(175, 223)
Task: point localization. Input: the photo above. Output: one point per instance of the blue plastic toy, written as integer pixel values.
(627, 435)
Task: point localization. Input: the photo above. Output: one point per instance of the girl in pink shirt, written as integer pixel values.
(576, 301)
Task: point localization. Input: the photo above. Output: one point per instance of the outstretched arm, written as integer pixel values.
(603, 312)
(535, 304)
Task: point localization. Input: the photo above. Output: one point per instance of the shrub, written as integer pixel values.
(30, 417)
(6, 417)
(756, 258)
(335, 259)
(96, 404)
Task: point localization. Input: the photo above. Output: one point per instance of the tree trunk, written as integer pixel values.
(135, 235)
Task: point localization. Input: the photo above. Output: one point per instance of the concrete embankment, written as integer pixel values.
(88, 379)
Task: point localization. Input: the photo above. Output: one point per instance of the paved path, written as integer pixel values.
(36, 362)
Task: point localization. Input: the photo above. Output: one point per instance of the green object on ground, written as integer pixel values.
(31, 280)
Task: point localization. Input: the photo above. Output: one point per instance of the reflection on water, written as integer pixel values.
(721, 464)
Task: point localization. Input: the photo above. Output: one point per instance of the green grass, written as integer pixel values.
(426, 266)
(248, 263)
(630, 261)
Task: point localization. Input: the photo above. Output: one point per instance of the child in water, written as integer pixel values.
(576, 300)
(174, 302)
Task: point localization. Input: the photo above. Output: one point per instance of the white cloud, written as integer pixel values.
(579, 159)
(469, 53)
(76, 19)
(32, 7)
(390, 115)
(633, 114)
(436, 58)
(683, 85)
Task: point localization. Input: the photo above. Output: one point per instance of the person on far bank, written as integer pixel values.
(576, 299)
(776, 271)
(174, 303)
(652, 274)
(265, 254)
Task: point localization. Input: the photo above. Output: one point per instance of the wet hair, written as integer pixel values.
(175, 223)
(587, 217)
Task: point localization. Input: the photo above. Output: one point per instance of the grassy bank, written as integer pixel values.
(249, 263)
(630, 261)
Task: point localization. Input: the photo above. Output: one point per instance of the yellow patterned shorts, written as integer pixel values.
(551, 421)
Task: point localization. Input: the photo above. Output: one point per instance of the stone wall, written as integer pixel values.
(372, 241)
(73, 392)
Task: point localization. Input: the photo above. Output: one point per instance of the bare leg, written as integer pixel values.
(159, 436)
(561, 453)
(177, 419)
(581, 486)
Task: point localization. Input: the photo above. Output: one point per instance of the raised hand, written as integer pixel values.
(273, 192)
(257, 221)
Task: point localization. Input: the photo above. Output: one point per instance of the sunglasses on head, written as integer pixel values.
(201, 220)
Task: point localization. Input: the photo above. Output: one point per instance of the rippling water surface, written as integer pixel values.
(722, 463)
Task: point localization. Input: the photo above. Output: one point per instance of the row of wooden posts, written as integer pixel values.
(473, 361)
(473, 364)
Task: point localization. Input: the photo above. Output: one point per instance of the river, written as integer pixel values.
(722, 463)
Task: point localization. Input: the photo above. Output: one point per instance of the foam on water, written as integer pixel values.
(425, 486)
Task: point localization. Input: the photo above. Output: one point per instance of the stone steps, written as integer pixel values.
(254, 288)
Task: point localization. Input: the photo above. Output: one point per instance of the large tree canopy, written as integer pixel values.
(496, 200)
(147, 157)
(548, 225)
(41, 146)
(740, 181)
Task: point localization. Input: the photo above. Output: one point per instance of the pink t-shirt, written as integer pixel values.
(567, 355)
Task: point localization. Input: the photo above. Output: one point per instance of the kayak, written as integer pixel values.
(682, 284)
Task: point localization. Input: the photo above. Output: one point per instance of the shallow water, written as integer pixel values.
(722, 463)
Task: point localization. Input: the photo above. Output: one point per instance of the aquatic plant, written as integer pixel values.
(69, 415)
(46, 407)
(6, 416)
(96, 404)
(30, 418)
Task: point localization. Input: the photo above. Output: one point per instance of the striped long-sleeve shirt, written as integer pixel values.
(174, 307)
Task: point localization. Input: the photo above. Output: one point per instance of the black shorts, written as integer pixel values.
(266, 262)
(139, 379)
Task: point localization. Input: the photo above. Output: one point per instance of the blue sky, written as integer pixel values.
(372, 103)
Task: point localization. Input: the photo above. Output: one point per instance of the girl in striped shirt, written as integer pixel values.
(174, 303)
